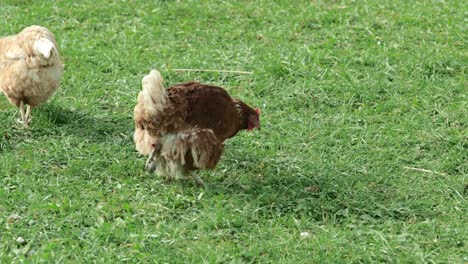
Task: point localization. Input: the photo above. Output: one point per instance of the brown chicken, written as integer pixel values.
(183, 128)
(30, 68)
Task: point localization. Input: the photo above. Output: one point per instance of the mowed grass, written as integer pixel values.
(353, 95)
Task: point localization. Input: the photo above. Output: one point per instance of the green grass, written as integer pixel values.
(351, 93)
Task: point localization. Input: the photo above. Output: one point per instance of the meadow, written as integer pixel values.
(362, 156)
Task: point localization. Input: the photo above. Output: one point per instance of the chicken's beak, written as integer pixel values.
(257, 126)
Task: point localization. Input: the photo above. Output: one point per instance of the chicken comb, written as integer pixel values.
(257, 110)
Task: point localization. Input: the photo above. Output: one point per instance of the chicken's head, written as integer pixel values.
(254, 120)
(249, 118)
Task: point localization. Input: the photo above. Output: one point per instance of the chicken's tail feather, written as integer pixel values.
(37, 46)
(153, 93)
(151, 103)
(45, 47)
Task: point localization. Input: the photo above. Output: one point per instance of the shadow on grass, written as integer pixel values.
(55, 121)
(278, 190)
(94, 128)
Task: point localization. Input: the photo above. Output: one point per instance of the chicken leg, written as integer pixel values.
(24, 118)
(28, 113)
(151, 162)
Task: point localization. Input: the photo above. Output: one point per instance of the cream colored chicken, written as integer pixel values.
(30, 68)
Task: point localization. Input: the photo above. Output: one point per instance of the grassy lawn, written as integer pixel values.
(354, 96)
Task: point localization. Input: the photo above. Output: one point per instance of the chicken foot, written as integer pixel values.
(198, 179)
(25, 115)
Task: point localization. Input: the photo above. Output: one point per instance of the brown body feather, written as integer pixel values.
(205, 106)
(190, 121)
